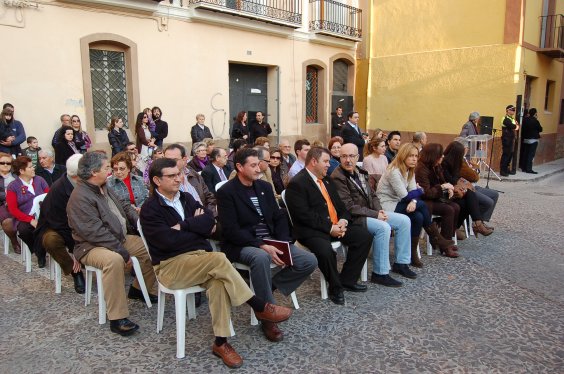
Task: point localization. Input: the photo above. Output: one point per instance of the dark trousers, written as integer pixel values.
(420, 217)
(358, 240)
(25, 232)
(469, 206)
(507, 153)
(527, 156)
(449, 212)
(54, 244)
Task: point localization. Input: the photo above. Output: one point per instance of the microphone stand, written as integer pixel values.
(491, 158)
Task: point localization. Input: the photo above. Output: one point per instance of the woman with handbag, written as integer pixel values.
(464, 194)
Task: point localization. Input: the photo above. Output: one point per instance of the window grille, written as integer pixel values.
(312, 92)
(109, 86)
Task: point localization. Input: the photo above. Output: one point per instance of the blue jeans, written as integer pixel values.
(381, 231)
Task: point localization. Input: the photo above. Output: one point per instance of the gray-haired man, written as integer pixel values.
(47, 169)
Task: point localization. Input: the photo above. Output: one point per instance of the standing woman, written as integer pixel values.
(66, 146)
(437, 192)
(240, 129)
(117, 136)
(144, 140)
(375, 162)
(398, 192)
(81, 138)
(19, 197)
(7, 177)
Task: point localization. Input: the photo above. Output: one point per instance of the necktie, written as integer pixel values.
(222, 175)
(330, 206)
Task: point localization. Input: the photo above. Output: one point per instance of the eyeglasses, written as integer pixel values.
(5, 163)
(131, 149)
(120, 168)
(200, 150)
(172, 176)
(266, 160)
(336, 147)
(76, 120)
(275, 158)
(352, 157)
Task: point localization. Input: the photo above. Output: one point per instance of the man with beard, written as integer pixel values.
(161, 127)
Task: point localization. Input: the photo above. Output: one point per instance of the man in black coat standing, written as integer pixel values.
(320, 217)
(161, 127)
(259, 128)
(530, 133)
(351, 133)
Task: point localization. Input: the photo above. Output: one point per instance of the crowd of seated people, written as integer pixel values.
(90, 213)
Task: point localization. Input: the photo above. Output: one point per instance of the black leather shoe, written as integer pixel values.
(504, 173)
(123, 326)
(198, 299)
(403, 269)
(355, 287)
(41, 262)
(531, 172)
(512, 172)
(385, 280)
(78, 282)
(337, 297)
(136, 294)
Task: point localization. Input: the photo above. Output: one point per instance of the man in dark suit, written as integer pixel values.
(248, 213)
(217, 170)
(259, 128)
(47, 169)
(200, 131)
(351, 133)
(320, 217)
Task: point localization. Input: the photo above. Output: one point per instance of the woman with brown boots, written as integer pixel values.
(398, 192)
(437, 194)
(464, 194)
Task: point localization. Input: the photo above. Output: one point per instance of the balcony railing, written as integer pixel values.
(552, 35)
(286, 12)
(336, 19)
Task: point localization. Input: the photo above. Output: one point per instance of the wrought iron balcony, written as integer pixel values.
(552, 35)
(337, 19)
(285, 12)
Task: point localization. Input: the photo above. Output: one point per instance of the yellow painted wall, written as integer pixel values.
(532, 22)
(411, 26)
(180, 69)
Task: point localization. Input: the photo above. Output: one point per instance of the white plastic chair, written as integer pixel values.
(183, 299)
(6, 243)
(55, 273)
(241, 266)
(429, 246)
(220, 184)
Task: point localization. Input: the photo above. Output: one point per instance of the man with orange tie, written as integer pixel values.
(320, 217)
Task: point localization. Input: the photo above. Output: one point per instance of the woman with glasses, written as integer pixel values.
(66, 146)
(144, 140)
(127, 187)
(335, 144)
(375, 162)
(117, 136)
(19, 197)
(279, 170)
(200, 159)
(7, 177)
(81, 138)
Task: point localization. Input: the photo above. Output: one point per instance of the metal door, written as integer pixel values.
(247, 90)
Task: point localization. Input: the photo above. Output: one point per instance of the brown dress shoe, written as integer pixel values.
(271, 331)
(228, 355)
(274, 313)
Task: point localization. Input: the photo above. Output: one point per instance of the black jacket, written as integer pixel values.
(58, 171)
(157, 218)
(258, 130)
(161, 132)
(211, 176)
(62, 153)
(531, 128)
(238, 217)
(308, 207)
(350, 135)
(198, 134)
(337, 125)
(118, 141)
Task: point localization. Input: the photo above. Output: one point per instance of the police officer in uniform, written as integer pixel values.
(508, 127)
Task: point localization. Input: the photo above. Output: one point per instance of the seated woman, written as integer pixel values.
(127, 186)
(279, 170)
(19, 197)
(157, 153)
(437, 192)
(66, 146)
(335, 144)
(398, 192)
(375, 162)
(200, 159)
(6, 177)
(263, 142)
(464, 195)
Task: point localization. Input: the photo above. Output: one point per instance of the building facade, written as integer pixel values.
(96, 58)
(428, 64)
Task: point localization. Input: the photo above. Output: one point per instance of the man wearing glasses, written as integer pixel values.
(508, 127)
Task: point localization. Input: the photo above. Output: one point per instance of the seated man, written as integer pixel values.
(53, 233)
(393, 142)
(363, 204)
(320, 217)
(176, 227)
(47, 169)
(301, 148)
(217, 170)
(101, 228)
(249, 213)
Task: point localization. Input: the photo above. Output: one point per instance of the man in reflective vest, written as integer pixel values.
(508, 127)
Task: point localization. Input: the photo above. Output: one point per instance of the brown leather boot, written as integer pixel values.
(480, 228)
(415, 261)
(436, 238)
(449, 251)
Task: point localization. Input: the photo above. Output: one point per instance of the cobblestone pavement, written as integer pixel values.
(498, 309)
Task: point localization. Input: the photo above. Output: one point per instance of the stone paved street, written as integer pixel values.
(498, 309)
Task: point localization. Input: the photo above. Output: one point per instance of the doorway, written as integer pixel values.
(247, 91)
